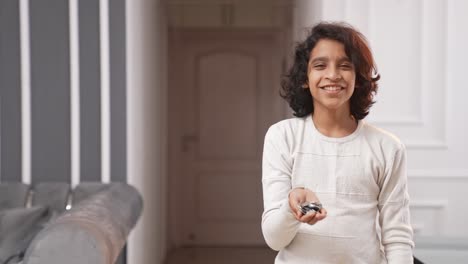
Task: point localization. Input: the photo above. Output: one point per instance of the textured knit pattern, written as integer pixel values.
(361, 181)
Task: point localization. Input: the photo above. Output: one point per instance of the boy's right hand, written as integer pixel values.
(300, 195)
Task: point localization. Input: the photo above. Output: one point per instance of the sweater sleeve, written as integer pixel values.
(279, 226)
(397, 234)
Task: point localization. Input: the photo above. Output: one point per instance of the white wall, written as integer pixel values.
(146, 113)
(420, 50)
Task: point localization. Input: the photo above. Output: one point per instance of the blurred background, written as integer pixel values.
(175, 96)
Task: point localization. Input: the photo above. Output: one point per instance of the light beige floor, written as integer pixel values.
(220, 255)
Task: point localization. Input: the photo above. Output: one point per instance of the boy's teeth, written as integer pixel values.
(332, 88)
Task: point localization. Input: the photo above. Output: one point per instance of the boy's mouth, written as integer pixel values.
(332, 89)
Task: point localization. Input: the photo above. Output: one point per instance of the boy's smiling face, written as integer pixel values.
(331, 76)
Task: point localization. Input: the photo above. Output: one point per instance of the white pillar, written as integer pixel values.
(146, 125)
(74, 92)
(25, 92)
(105, 89)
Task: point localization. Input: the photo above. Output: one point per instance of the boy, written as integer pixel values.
(352, 173)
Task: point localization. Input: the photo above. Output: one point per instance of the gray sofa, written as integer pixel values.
(49, 223)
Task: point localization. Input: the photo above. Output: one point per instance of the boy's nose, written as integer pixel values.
(333, 74)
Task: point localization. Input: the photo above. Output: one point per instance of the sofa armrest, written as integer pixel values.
(94, 231)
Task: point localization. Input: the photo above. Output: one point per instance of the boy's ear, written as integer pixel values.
(305, 86)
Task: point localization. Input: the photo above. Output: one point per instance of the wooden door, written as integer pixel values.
(223, 90)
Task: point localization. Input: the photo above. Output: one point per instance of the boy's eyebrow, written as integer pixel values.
(324, 59)
(319, 59)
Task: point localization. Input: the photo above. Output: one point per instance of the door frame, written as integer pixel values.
(175, 35)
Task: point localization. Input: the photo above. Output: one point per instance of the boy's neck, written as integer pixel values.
(331, 123)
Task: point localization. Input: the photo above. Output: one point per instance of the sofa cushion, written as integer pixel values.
(92, 231)
(18, 227)
(51, 194)
(86, 189)
(13, 194)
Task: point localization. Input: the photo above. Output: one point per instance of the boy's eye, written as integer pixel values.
(346, 66)
(319, 66)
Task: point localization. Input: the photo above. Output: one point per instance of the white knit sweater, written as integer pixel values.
(361, 181)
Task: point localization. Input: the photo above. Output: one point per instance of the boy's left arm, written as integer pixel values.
(393, 204)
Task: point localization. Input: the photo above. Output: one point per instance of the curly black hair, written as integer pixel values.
(358, 51)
